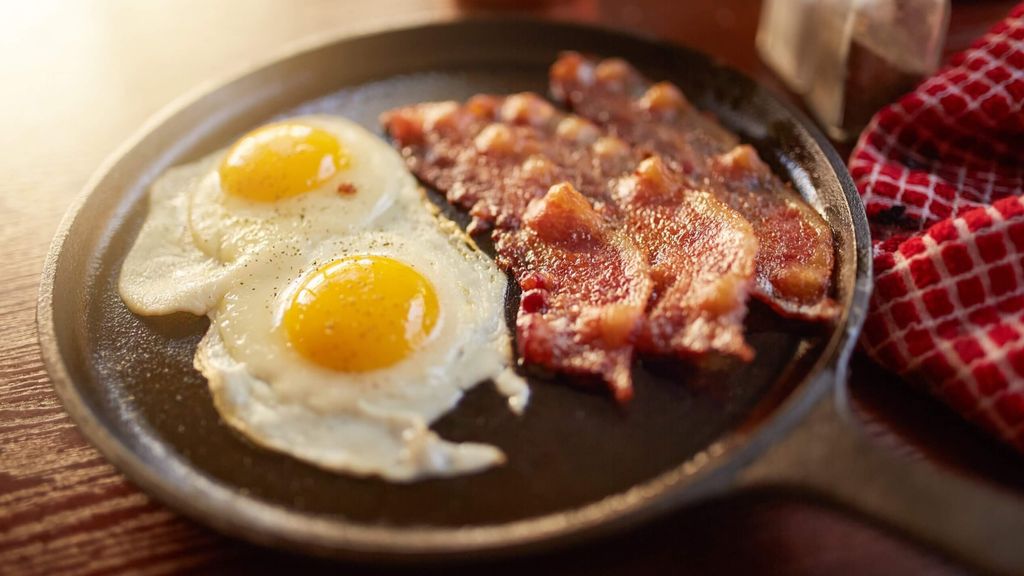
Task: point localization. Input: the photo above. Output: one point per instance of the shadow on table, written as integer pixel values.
(921, 425)
(746, 534)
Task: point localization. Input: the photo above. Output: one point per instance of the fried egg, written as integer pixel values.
(286, 184)
(345, 314)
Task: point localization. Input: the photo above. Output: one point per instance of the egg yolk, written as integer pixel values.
(281, 160)
(361, 313)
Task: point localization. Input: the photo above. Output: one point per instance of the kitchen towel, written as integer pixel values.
(941, 173)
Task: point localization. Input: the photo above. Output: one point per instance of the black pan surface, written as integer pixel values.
(130, 384)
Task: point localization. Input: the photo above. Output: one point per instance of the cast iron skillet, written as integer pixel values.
(578, 464)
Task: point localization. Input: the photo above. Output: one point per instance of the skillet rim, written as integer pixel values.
(216, 505)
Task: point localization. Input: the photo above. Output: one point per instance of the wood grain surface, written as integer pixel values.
(80, 76)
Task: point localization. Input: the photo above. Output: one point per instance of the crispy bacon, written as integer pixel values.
(584, 284)
(701, 256)
(656, 117)
(795, 258)
(493, 155)
(586, 238)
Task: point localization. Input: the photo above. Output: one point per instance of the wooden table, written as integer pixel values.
(80, 77)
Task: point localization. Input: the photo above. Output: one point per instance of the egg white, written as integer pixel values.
(196, 237)
(239, 262)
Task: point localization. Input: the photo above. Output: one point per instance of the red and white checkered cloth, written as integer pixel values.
(942, 172)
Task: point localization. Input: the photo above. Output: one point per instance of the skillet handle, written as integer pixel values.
(830, 456)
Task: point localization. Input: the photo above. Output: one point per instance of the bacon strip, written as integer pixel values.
(494, 155)
(585, 286)
(701, 254)
(795, 260)
(655, 117)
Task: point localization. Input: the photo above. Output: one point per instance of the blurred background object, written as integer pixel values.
(827, 50)
(510, 4)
